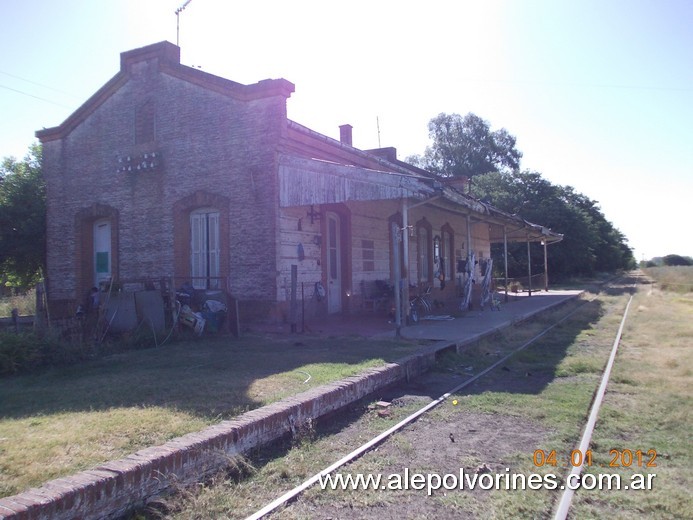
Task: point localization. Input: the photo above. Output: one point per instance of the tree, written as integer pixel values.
(591, 242)
(677, 260)
(22, 218)
(466, 146)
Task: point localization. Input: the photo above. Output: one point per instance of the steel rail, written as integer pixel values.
(568, 492)
(293, 493)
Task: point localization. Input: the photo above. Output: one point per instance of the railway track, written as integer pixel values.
(497, 371)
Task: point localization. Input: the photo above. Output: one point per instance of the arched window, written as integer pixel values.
(204, 248)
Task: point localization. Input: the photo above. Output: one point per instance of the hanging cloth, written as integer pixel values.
(468, 282)
(486, 283)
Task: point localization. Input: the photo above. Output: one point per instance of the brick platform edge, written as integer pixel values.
(115, 488)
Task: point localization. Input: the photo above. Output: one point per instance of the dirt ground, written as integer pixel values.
(443, 442)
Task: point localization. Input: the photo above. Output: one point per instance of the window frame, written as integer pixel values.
(205, 250)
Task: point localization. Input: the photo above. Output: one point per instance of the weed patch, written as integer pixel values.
(26, 351)
(24, 303)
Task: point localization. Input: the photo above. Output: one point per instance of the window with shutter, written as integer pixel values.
(204, 248)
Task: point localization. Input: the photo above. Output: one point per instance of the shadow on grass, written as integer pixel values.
(219, 378)
(546, 356)
(215, 378)
(534, 368)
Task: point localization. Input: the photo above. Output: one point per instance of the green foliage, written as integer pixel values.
(27, 351)
(22, 219)
(466, 146)
(591, 244)
(677, 260)
(668, 260)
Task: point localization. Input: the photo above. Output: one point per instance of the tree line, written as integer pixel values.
(22, 220)
(466, 146)
(669, 261)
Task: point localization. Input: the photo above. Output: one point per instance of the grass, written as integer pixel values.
(673, 278)
(43, 447)
(647, 406)
(273, 472)
(61, 420)
(225, 497)
(25, 304)
(125, 402)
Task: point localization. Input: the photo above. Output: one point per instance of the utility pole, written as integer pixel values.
(396, 237)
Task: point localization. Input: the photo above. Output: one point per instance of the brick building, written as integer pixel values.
(168, 171)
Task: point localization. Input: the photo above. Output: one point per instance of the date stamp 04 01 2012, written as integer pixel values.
(619, 458)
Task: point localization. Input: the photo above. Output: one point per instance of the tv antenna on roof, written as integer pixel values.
(377, 122)
(178, 11)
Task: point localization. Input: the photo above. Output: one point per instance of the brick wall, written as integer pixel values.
(208, 139)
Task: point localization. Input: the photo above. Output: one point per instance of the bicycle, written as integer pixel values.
(420, 301)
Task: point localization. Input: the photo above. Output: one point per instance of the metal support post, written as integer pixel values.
(529, 266)
(505, 259)
(398, 276)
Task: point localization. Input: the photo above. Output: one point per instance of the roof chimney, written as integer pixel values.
(345, 134)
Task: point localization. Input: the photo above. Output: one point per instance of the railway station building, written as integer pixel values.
(171, 173)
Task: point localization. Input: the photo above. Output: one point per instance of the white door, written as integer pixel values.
(334, 264)
(102, 251)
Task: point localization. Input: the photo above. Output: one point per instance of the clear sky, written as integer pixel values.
(599, 93)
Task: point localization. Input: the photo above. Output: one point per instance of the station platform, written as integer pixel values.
(476, 323)
(461, 328)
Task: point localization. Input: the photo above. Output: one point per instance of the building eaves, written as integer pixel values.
(167, 56)
(79, 115)
(519, 229)
(387, 165)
